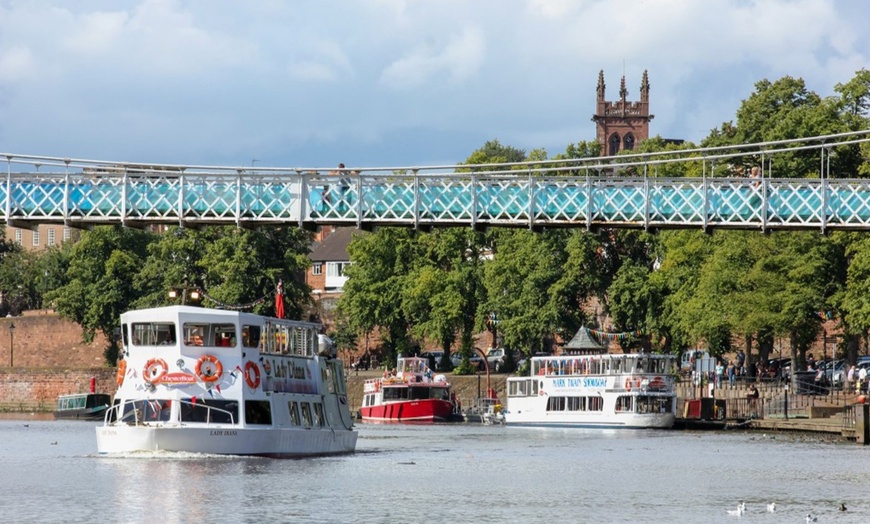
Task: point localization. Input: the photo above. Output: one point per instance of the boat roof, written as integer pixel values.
(193, 313)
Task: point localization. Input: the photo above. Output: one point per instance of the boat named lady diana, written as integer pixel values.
(598, 391)
(232, 383)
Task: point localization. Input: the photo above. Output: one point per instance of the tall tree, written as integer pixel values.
(102, 269)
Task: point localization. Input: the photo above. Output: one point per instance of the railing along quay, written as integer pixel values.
(694, 188)
(831, 411)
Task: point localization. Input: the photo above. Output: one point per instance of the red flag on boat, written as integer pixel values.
(279, 300)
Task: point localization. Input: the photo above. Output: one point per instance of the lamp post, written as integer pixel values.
(11, 344)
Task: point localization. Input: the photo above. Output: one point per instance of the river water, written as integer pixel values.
(50, 472)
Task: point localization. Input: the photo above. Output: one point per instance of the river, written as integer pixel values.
(50, 472)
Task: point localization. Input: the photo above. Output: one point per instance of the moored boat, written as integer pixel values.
(413, 394)
(601, 391)
(82, 406)
(486, 410)
(231, 383)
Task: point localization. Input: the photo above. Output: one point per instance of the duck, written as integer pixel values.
(811, 518)
(842, 507)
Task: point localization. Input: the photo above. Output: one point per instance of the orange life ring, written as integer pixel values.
(252, 375)
(121, 373)
(154, 371)
(377, 386)
(209, 368)
(628, 384)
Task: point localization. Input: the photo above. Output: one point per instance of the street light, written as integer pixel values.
(11, 344)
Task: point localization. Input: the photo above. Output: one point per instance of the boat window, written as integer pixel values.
(210, 410)
(318, 414)
(576, 404)
(556, 404)
(395, 393)
(595, 404)
(210, 335)
(154, 410)
(153, 333)
(294, 412)
(654, 404)
(251, 336)
(623, 403)
(125, 339)
(258, 412)
(306, 414)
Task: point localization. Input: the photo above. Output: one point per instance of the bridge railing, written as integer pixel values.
(623, 191)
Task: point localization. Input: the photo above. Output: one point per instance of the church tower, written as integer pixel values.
(621, 124)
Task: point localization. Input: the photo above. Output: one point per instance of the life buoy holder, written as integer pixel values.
(154, 371)
(252, 375)
(209, 368)
(121, 373)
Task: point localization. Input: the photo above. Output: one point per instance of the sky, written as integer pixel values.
(384, 83)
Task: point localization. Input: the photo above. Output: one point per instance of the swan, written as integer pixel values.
(771, 507)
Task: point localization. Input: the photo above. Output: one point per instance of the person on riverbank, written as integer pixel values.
(720, 373)
(732, 373)
(752, 398)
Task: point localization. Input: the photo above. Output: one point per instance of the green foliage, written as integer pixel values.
(100, 286)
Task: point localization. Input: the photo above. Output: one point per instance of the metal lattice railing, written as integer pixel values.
(604, 191)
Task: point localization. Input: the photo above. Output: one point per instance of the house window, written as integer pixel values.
(336, 269)
(51, 236)
(18, 236)
(66, 234)
(36, 238)
(317, 269)
(628, 141)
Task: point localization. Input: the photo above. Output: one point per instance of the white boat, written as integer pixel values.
(487, 411)
(231, 383)
(599, 391)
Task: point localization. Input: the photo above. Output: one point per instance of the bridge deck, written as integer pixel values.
(611, 192)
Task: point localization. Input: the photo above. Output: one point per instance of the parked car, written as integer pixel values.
(497, 359)
(434, 358)
(689, 357)
(475, 359)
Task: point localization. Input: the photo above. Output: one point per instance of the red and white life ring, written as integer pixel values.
(252, 375)
(154, 371)
(209, 368)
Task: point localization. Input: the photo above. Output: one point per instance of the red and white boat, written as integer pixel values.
(413, 394)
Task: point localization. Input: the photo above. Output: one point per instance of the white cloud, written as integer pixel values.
(16, 64)
(391, 81)
(455, 61)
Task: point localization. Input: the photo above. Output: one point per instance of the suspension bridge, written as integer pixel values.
(692, 188)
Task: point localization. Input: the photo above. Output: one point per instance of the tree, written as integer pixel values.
(102, 267)
(372, 298)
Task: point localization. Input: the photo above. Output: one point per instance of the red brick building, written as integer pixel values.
(622, 124)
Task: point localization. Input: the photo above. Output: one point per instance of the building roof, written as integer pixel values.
(333, 248)
(583, 342)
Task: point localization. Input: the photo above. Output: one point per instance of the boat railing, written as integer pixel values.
(118, 414)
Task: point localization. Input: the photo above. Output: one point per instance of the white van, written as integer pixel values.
(690, 357)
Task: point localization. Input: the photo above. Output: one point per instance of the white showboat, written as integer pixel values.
(232, 383)
(598, 391)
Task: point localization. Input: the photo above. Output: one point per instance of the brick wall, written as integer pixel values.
(44, 340)
(34, 390)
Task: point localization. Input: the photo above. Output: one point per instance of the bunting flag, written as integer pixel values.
(233, 307)
(825, 315)
(611, 336)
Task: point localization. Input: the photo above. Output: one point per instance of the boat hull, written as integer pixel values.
(81, 414)
(426, 410)
(225, 440)
(658, 421)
